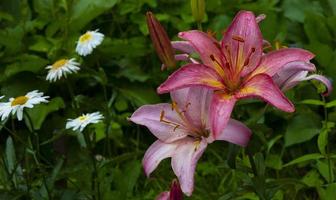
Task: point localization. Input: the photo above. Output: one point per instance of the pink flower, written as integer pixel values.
(294, 72)
(233, 68)
(183, 132)
(175, 192)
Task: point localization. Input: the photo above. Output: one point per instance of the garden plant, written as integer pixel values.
(167, 99)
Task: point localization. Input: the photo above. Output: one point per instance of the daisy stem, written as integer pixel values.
(37, 137)
(72, 95)
(109, 115)
(13, 133)
(95, 186)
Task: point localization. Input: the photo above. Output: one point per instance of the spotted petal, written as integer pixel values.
(207, 47)
(191, 75)
(244, 41)
(220, 112)
(262, 86)
(274, 61)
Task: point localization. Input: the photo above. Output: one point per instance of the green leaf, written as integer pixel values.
(331, 104)
(10, 154)
(295, 9)
(140, 95)
(41, 111)
(84, 11)
(313, 102)
(305, 158)
(127, 179)
(322, 140)
(312, 179)
(273, 161)
(233, 152)
(100, 131)
(302, 128)
(315, 22)
(26, 62)
(331, 191)
(323, 168)
(260, 164)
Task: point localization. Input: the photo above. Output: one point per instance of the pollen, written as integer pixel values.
(82, 118)
(197, 144)
(19, 100)
(86, 37)
(60, 63)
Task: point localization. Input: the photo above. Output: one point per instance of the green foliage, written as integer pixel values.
(293, 154)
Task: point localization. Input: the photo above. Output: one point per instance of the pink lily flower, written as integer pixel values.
(295, 72)
(183, 132)
(175, 192)
(286, 78)
(234, 68)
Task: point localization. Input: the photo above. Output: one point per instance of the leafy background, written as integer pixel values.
(294, 153)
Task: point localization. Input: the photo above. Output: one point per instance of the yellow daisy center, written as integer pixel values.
(19, 100)
(59, 63)
(84, 38)
(82, 118)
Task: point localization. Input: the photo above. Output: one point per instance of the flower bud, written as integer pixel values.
(198, 10)
(160, 41)
(175, 191)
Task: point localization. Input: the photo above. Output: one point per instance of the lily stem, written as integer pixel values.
(327, 145)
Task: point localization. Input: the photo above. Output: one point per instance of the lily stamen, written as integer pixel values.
(168, 122)
(247, 60)
(238, 38)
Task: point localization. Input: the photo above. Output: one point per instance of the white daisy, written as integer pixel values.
(88, 41)
(62, 68)
(16, 105)
(82, 121)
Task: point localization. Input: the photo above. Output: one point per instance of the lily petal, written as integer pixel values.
(207, 47)
(220, 112)
(274, 61)
(150, 116)
(262, 86)
(292, 73)
(184, 162)
(195, 103)
(183, 46)
(236, 133)
(156, 153)
(323, 80)
(244, 36)
(191, 75)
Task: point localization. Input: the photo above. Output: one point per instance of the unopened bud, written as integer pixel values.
(198, 9)
(160, 41)
(175, 191)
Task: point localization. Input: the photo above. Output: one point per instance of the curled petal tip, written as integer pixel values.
(260, 17)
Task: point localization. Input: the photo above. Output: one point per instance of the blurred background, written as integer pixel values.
(295, 152)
